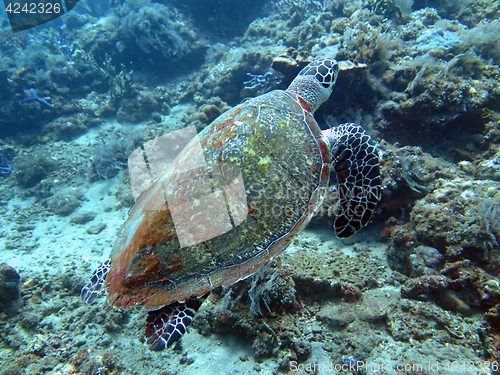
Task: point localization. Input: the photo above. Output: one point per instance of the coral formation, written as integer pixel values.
(65, 201)
(425, 260)
(270, 293)
(451, 218)
(291, 62)
(112, 157)
(33, 167)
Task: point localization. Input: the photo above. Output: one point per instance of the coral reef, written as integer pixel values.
(65, 202)
(413, 320)
(291, 62)
(489, 169)
(425, 260)
(145, 33)
(270, 293)
(32, 167)
(461, 287)
(41, 345)
(451, 218)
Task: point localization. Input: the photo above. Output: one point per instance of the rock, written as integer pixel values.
(96, 229)
(374, 306)
(429, 285)
(65, 202)
(9, 288)
(425, 260)
(82, 218)
(68, 128)
(336, 315)
(451, 301)
(458, 218)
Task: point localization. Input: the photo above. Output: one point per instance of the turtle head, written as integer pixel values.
(315, 82)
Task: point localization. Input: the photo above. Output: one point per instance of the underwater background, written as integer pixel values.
(419, 286)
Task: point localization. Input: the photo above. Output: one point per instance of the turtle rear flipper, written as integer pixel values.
(165, 326)
(95, 287)
(355, 161)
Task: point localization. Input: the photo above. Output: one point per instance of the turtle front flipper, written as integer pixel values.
(356, 163)
(95, 287)
(165, 326)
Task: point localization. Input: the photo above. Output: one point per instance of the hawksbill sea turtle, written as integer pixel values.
(265, 171)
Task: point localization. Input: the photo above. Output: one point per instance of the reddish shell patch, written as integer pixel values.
(323, 147)
(217, 132)
(146, 269)
(304, 104)
(325, 153)
(128, 288)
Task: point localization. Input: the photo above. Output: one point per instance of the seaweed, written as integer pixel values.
(483, 38)
(111, 158)
(410, 174)
(228, 301)
(260, 292)
(157, 28)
